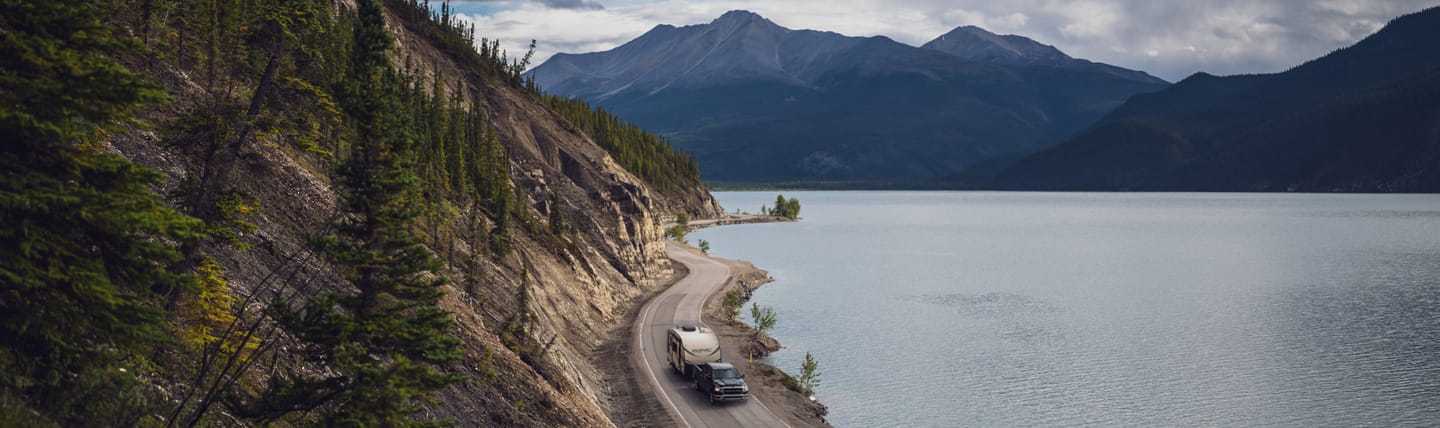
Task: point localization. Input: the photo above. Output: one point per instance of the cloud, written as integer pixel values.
(553, 4)
(572, 4)
(1169, 38)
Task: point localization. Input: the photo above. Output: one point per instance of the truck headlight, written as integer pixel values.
(717, 389)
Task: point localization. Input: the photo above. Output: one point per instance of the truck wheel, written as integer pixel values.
(712, 399)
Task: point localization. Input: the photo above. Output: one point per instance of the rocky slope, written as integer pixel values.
(569, 292)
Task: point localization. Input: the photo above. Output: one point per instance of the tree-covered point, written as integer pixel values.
(788, 208)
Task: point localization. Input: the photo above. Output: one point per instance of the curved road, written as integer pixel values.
(684, 302)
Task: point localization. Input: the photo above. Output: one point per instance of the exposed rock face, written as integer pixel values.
(579, 286)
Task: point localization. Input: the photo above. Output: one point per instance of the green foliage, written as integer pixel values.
(809, 376)
(515, 332)
(90, 256)
(385, 339)
(676, 232)
(733, 300)
(208, 310)
(646, 155)
(788, 208)
(59, 74)
(704, 246)
(763, 318)
(85, 241)
(233, 222)
(458, 41)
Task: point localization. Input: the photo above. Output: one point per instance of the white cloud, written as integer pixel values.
(1169, 38)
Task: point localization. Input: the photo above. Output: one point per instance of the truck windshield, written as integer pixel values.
(727, 374)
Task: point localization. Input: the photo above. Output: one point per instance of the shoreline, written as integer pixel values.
(632, 403)
(738, 338)
(732, 219)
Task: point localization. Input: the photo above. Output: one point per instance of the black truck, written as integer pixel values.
(721, 382)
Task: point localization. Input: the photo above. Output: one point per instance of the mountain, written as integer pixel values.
(976, 44)
(757, 102)
(1362, 119)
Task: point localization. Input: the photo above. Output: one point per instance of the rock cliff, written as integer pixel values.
(560, 293)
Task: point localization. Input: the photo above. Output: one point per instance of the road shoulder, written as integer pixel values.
(630, 400)
(794, 408)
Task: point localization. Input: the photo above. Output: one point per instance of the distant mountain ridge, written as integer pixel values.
(757, 102)
(1365, 118)
(977, 44)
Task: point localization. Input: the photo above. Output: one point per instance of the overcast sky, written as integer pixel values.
(1168, 38)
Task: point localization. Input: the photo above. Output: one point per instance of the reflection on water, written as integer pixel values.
(1006, 309)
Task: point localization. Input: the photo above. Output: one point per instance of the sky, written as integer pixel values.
(1170, 39)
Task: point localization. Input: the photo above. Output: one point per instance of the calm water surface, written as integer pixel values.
(1026, 309)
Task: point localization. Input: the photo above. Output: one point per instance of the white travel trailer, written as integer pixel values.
(690, 345)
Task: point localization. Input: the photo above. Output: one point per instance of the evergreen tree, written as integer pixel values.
(85, 241)
(788, 208)
(386, 337)
(809, 374)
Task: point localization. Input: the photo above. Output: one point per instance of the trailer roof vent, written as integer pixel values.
(688, 328)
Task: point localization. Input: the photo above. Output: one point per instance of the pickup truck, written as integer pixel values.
(721, 382)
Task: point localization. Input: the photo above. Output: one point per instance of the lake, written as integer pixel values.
(1105, 309)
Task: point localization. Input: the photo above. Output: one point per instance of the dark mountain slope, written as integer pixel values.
(1363, 118)
(756, 102)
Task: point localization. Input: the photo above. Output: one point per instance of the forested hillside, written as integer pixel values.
(1365, 118)
(229, 212)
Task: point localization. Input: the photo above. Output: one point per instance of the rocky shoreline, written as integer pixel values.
(766, 381)
(627, 404)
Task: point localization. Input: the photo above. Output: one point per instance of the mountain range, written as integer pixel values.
(757, 102)
(1362, 119)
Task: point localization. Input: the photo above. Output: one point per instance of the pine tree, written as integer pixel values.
(386, 338)
(85, 240)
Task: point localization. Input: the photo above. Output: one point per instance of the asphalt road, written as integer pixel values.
(684, 302)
